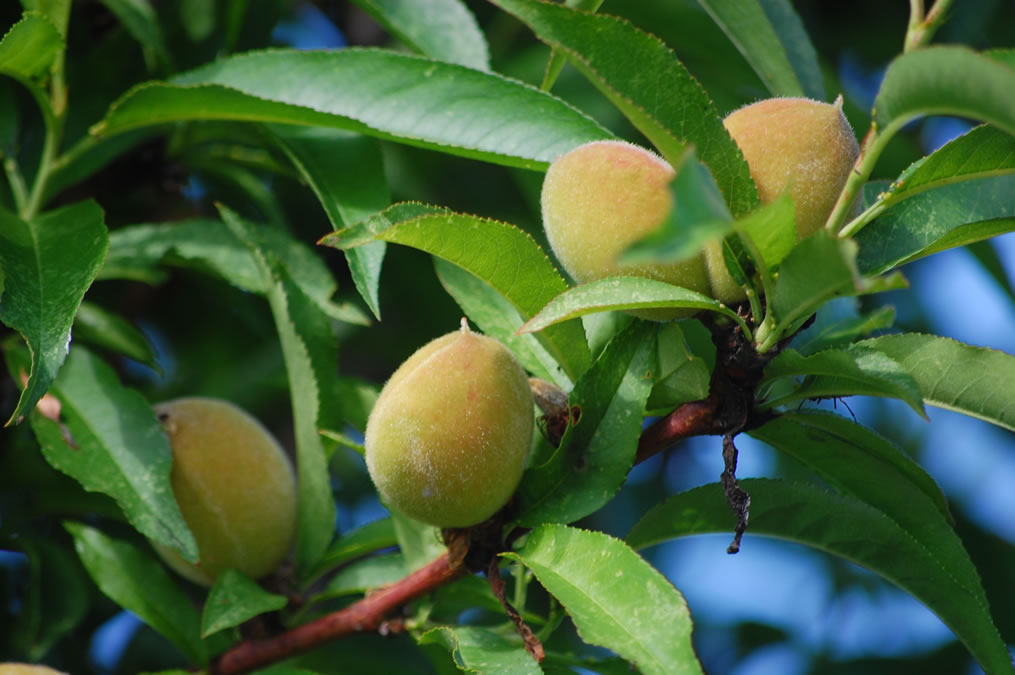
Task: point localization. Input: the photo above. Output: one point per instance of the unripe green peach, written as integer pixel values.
(794, 145)
(447, 439)
(235, 487)
(598, 200)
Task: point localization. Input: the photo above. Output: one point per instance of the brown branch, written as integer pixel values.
(366, 615)
(697, 418)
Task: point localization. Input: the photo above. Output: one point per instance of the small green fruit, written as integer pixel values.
(795, 145)
(235, 487)
(27, 669)
(601, 198)
(448, 437)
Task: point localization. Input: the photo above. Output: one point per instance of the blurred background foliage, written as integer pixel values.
(774, 608)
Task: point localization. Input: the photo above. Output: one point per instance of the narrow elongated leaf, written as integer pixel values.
(501, 255)
(632, 69)
(498, 318)
(442, 29)
(971, 380)
(399, 97)
(614, 293)
(816, 270)
(48, 264)
(365, 575)
(748, 27)
(136, 251)
(141, 21)
(861, 463)
(946, 80)
(366, 539)
(133, 579)
(597, 450)
(855, 370)
(29, 48)
(108, 439)
(98, 326)
(477, 650)
(233, 599)
(981, 152)
(845, 527)
(56, 601)
(615, 598)
(843, 331)
(310, 353)
(934, 220)
(797, 43)
(346, 172)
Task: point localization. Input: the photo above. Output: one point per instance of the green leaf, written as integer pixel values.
(772, 228)
(210, 245)
(141, 21)
(643, 78)
(797, 43)
(819, 268)
(854, 370)
(613, 293)
(477, 650)
(748, 27)
(986, 256)
(133, 579)
(108, 439)
(862, 463)
(346, 172)
(360, 542)
(615, 598)
(945, 80)
(981, 152)
(596, 452)
(444, 30)
(57, 598)
(365, 575)
(682, 375)
(418, 542)
(843, 331)
(498, 318)
(847, 528)
(399, 97)
(29, 48)
(502, 255)
(233, 599)
(698, 216)
(98, 326)
(49, 263)
(310, 352)
(935, 220)
(955, 376)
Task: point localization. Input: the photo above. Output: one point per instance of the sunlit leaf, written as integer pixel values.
(499, 254)
(233, 599)
(955, 376)
(615, 598)
(394, 96)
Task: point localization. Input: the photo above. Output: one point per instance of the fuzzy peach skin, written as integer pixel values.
(27, 669)
(598, 200)
(449, 435)
(235, 487)
(795, 145)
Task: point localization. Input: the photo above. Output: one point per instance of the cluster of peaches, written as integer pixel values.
(450, 434)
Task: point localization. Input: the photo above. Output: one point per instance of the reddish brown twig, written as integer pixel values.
(366, 615)
(697, 418)
(532, 644)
